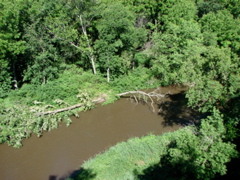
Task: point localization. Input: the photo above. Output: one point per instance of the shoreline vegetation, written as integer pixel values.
(165, 156)
(59, 55)
(34, 109)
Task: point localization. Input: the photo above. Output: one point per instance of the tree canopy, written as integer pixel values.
(55, 46)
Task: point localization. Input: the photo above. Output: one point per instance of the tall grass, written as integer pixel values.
(126, 160)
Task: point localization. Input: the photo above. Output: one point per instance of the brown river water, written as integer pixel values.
(60, 152)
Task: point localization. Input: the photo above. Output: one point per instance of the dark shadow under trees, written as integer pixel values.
(174, 110)
(81, 174)
(171, 168)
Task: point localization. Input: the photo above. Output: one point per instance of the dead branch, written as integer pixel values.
(150, 95)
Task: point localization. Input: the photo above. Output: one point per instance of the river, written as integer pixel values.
(60, 152)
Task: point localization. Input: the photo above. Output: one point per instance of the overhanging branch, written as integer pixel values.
(149, 95)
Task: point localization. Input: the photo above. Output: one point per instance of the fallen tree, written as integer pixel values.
(99, 100)
(137, 95)
(145, 96)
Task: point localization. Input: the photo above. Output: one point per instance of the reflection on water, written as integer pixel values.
(60, 152)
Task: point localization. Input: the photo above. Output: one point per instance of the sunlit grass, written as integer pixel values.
(126, 160)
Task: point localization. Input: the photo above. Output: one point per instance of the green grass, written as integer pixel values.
(126, 160)
(65, 88)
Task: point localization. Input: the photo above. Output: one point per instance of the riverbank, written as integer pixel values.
(127, 160)
(25, 111)
(61, 151)
(190, 152)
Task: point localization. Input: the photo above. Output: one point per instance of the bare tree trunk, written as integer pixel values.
(108, 74)
(14, 77)
(108, 71)
(44, 80)
(90, 55)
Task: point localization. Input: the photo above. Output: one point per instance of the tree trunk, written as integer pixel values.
(108, 74)
(90, 55)
(14, 77)
(108, 71)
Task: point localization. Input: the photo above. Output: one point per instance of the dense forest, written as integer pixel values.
(59, 53)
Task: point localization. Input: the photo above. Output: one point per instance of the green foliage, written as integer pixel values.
(203, 53)
(11, 43)
(199, 154)
(176, 53)
(175, 10)
(224, 26)
(231, 114)
(20, 121)
(234, 7)
(66, 88)
(5, 79)
(44, 60)
(73, 26)
(116, 35)
(205, 7)
(218, 82)
(139, 78)
(47, 47)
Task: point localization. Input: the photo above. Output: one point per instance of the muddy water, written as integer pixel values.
(59, 152)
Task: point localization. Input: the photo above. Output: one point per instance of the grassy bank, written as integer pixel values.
(126, 160)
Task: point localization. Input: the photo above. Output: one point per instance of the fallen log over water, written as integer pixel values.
(145, 95)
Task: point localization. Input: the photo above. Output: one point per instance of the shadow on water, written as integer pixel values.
(81, 174)
(52, 177)
(174, 110)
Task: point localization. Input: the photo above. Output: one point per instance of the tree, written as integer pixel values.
(218, 81)
(43, 60)
(224, 27)
(203, 54)
(11, 44)
(117, 34)
(199, 153)
(73, 25)
(176, 52)
(207, 6)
